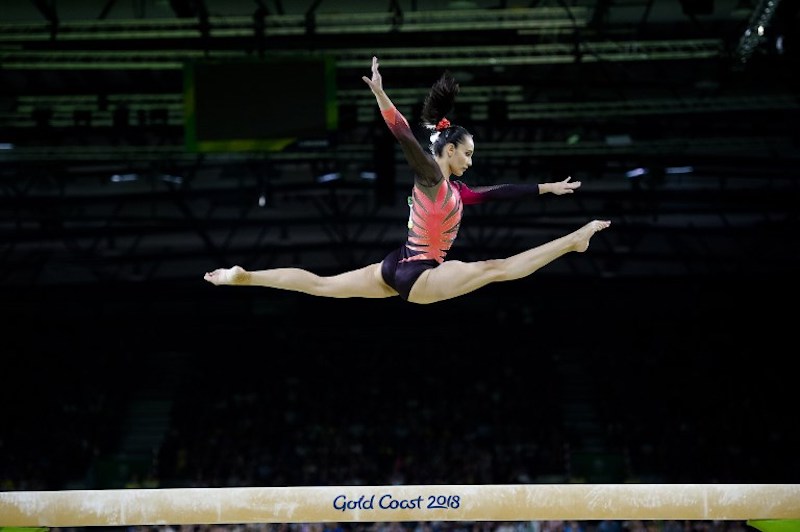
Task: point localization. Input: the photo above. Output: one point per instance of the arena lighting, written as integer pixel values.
(398, 57)
(518, 109)
(530, 20)
(327, 178)
(356, 152)
(779, 44)
(636, 172)
(536, 54)
(755, 33)
(124, 178)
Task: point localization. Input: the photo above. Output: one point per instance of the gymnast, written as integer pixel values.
(417, 271)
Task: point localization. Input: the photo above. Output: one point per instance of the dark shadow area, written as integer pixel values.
(542, 380)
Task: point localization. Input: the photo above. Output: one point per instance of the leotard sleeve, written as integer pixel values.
(426, 171)
(473, 196)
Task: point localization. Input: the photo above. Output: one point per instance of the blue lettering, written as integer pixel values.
(340, 502)
(386, 502)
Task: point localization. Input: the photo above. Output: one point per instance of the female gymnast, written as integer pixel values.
(417, 270)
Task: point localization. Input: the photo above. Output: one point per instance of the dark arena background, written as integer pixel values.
(146, 142)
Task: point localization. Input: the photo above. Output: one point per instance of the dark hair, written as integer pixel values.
(438, 103)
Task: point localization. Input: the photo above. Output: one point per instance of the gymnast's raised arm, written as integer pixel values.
(426, 171)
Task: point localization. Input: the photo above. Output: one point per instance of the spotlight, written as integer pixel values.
(755, 32)
(327, 178)
(124, 178)
(636, 172)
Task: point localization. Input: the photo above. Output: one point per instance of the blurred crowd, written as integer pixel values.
(519, 398)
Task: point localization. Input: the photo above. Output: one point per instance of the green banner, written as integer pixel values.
(776, 525)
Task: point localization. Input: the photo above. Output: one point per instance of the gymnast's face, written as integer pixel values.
(460, 157)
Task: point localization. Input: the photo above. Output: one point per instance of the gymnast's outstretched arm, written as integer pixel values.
(426, 172)
(482, 194)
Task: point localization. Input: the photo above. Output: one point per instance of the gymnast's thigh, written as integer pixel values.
(452, 279)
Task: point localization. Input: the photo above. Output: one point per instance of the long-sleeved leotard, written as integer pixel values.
(436, 206)
(436, 203)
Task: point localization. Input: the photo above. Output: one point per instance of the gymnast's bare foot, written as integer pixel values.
(586, 232)
(222, 276)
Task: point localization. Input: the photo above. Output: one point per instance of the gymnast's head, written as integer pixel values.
(447, 140)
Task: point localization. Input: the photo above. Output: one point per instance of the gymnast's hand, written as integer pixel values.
(222, 276)
(563, 187)
(376, 83)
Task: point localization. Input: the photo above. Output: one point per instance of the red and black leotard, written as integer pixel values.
(436, 206)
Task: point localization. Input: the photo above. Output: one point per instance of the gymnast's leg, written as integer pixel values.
(455, 278)
(364, 282)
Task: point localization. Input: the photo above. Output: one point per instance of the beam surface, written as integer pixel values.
(526, 502)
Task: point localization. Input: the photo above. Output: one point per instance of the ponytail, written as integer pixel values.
(438, 103)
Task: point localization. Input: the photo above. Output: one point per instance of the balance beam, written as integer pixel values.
(510, 502)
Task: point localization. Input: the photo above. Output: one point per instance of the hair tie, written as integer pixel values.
(443, 124)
